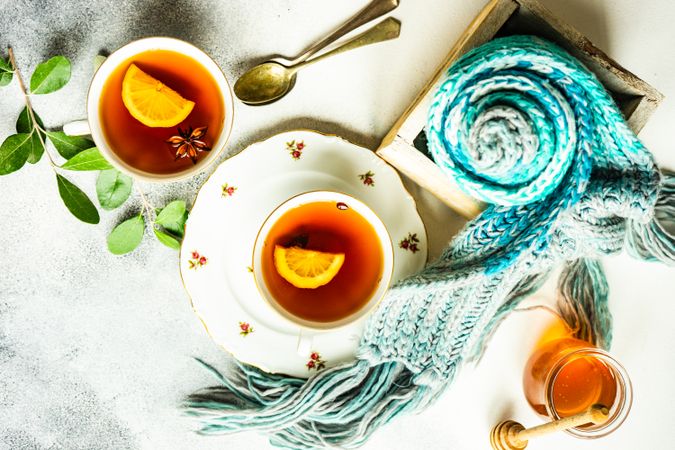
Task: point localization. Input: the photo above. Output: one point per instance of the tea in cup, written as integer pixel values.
(322, 260)
(158, 109)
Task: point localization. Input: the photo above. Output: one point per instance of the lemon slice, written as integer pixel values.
(151, 102)
(307, 269)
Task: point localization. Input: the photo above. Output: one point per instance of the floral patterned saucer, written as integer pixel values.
(230, 208)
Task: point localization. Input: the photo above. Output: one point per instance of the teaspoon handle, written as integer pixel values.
(387, 29)
(372, 11)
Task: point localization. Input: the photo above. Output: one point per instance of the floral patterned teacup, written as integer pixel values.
(307, 327)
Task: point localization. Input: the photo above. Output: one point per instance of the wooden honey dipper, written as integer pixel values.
(510, 435)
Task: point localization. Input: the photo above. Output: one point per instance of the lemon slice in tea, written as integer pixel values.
(307, 269)
(151, 102)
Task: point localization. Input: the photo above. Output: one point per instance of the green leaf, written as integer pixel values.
(167, 239)
(173, 217)
(77, 201)
(112, 188)
(5, 78)
(68, 146)
(126, 236)
(5, 66)
(89, 159)
(36, 148)
(14, 152)
(6, 73)
(50, 76)
(24, 124)
(98, 60)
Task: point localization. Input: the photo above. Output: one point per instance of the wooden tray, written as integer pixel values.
(405, 147)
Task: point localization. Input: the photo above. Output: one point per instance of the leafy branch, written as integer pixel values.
(113, 188)
(167, 224)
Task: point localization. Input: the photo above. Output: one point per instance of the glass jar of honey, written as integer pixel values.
(566, 376)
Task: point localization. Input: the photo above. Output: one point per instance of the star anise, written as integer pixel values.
(188, 143)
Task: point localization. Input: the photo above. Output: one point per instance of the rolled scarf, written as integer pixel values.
(523, 126)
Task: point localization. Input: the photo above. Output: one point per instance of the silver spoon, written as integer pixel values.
(270, 81)
(372, 11)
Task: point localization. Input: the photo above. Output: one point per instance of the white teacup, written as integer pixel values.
(92, 126)
(308, 328)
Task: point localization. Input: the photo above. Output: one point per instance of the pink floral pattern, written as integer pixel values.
(295, 148)
(197, 260)
(410, 243)
(228, 191)
(367, 178)
(245, 328)
(315, 362)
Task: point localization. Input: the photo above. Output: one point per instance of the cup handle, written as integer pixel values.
(305, 343)
(77, 128)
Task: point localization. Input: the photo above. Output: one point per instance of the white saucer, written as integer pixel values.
(230, 208)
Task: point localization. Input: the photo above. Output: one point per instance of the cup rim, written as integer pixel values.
(135, 47)
(618, 413)
(367, 307)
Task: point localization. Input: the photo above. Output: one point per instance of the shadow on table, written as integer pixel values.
(183, 19)
(588, 17)
(505, 412)
(312, 124)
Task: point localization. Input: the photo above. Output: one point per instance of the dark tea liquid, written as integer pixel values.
(322, 226)
(144, 147)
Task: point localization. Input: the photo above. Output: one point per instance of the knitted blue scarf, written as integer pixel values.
(523, 126)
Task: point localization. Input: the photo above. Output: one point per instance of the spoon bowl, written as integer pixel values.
(264, 83)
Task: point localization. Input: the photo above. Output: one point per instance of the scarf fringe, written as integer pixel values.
(341, 406)
(655, 240)
(583, 301)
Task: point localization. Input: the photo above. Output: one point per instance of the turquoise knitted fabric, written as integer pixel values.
(523, 126)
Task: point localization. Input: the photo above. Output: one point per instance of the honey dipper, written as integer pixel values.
(510, 435)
